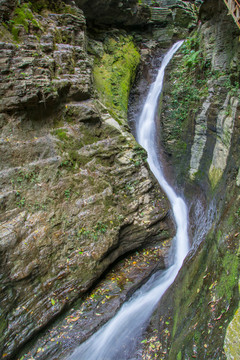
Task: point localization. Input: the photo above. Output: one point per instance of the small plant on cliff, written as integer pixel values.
(101, 227)
(61, 134)
(94, 233)
(20, 200)
(22, 16)
(193, 56)
(67, 193)
(233, 88)
(190, 84)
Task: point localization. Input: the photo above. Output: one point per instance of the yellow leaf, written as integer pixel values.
(73, 319)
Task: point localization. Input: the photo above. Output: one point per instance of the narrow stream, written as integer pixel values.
(117, 339)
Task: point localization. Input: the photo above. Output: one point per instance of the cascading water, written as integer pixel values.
(117, 339)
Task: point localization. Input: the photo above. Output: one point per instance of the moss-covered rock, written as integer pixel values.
(232, 341)
(194, 314)
(200, 104)
(76, 192)
(115, 72)
(203, 94)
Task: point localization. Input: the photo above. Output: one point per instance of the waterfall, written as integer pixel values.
(118, 337)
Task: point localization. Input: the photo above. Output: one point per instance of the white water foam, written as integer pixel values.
(117, 338)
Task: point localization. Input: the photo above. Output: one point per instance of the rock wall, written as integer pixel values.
(119, 13)
(207, 76)
(76, 192)
(200, 129)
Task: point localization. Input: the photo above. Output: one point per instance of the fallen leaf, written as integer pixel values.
(73, 319)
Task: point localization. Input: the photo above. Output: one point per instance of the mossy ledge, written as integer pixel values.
(114, 73)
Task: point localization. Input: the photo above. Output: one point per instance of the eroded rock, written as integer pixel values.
(76, 192)
(231, 344)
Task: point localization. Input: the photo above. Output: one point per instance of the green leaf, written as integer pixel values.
(53, 302)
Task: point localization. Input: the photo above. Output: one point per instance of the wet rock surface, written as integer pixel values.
(201, 99)
(76, 193)
(98, 306)
(199, 107)
(231, 344)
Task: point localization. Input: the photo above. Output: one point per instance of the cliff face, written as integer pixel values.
(205, 98)
(199, 114)
(120, 13)
(141, 13)
(75, 190)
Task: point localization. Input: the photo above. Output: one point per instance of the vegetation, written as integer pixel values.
(188, 87)
(61, 134)
(57, 6)
(22, 16)
(190, 84)
(93, 233)
(114, 73)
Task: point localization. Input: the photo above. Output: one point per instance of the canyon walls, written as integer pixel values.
(76, 193)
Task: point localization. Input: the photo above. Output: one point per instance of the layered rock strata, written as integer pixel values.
(76, 192)
(200, 129)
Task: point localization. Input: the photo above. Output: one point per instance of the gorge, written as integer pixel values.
(117, 337)
(77, 194)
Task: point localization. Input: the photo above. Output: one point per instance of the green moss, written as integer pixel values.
(93, 233)
(114, 73)
(232, 340)
(179, 355)
(57, 6)
(207, 297)
(228, 276)
(202, 303)
(187, 88)
(219, 235)
(22, 16)
(190, 85)
(61, 134)
(69, 146)
(5, 34)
